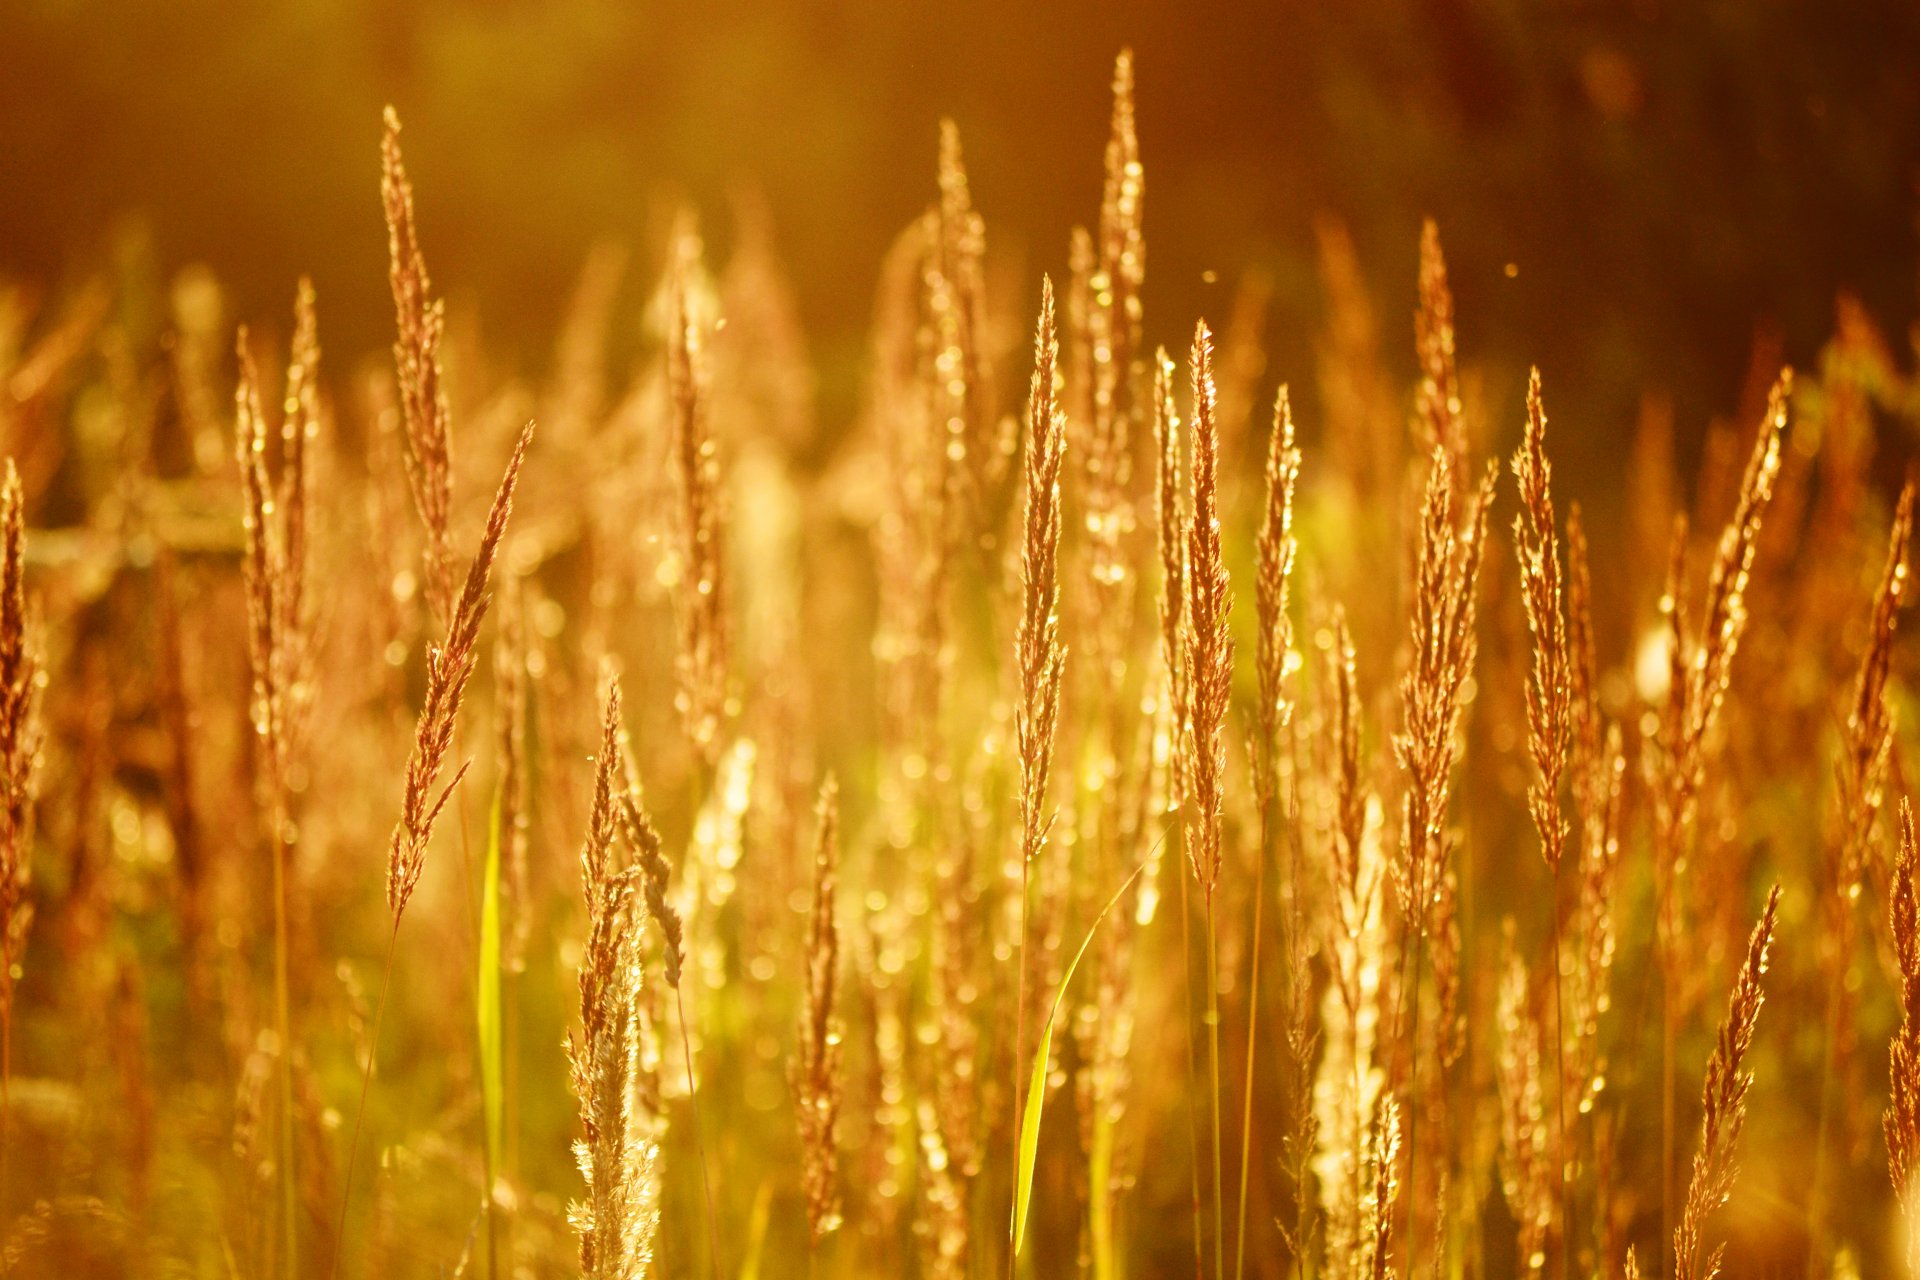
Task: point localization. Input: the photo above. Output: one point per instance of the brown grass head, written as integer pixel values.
(702, 609)
(1208, 645)
(421, 322)
(1040, 656)
(1901, 1122)
(450, 663)
(1171, 525)
(1868, 737)
(1275, 553)
(1444, 646)
(650, 858)
(1536, 534)
(1724, 1108)
(1439, 419)
(617, 1154)
(276, 485)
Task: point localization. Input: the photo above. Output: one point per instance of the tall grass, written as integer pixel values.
(1126, 756)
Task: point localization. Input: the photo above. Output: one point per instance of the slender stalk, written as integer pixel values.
(699, 1140)
(1252, 1039)
(1213, 1068)
(1562, 1150)
(1412, 992)
(360, 1112)
(1253, 1019)
(1816, 1193)
(1019, 1058)
(6, 1090)
(283, 1028)
(1669, 1032)
(1193, 1068)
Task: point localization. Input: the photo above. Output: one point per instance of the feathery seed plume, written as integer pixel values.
(449, 664)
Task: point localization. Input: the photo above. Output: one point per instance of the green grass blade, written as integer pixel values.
(1036, 1083)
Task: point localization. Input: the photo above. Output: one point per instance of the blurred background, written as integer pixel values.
(1630, 191)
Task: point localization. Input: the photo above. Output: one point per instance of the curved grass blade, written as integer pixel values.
(1036, 1083)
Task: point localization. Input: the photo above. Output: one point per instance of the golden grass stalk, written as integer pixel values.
(1860, 779)
(957, 296)
(1724, 1102)
(1040, 657)
(1207, 643)
(1443, 650)
(1113, 323)
(705, 640)
(450, 663)
(1599, 789)
(1439, 419)
(274, 516)
(421, 321)
(649, 854)
(1901, 1122)
(1171, 525)
(20, 739)
(816, 1076)
(1381, 1169)
(1700, 668)
(1171, 529)
(1549, 729)
(1349, 1080)
(1444, 646)
(1274, 663)
(1527, 1149)
(618, 1153)
(511, 660)
(1208, 659)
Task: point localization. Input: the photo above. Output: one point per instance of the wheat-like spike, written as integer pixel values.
(1115, 316)
(1724, 619)
(1901, 1122)
(1381, 1167)
(1583, 661)
(1171, 526)
(1349, 788)
(511, 660)
(1439, 419)
(960, 315)
(421, 321)
(449, 664)
(274, 520)
(1208, 645)
(649, 853)
(299, 429)
(1599, 861)
(1549, 680)
(1869, 729)
(1041, 658)
(1724, 1108)
(705, 639)
(1275, 554)
(816, 1074)
(618, 1154)
(263, 564)
(1444, 647)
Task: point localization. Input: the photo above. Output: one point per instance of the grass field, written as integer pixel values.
(1081, 821)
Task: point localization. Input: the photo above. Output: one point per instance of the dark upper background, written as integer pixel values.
(1667, 176)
